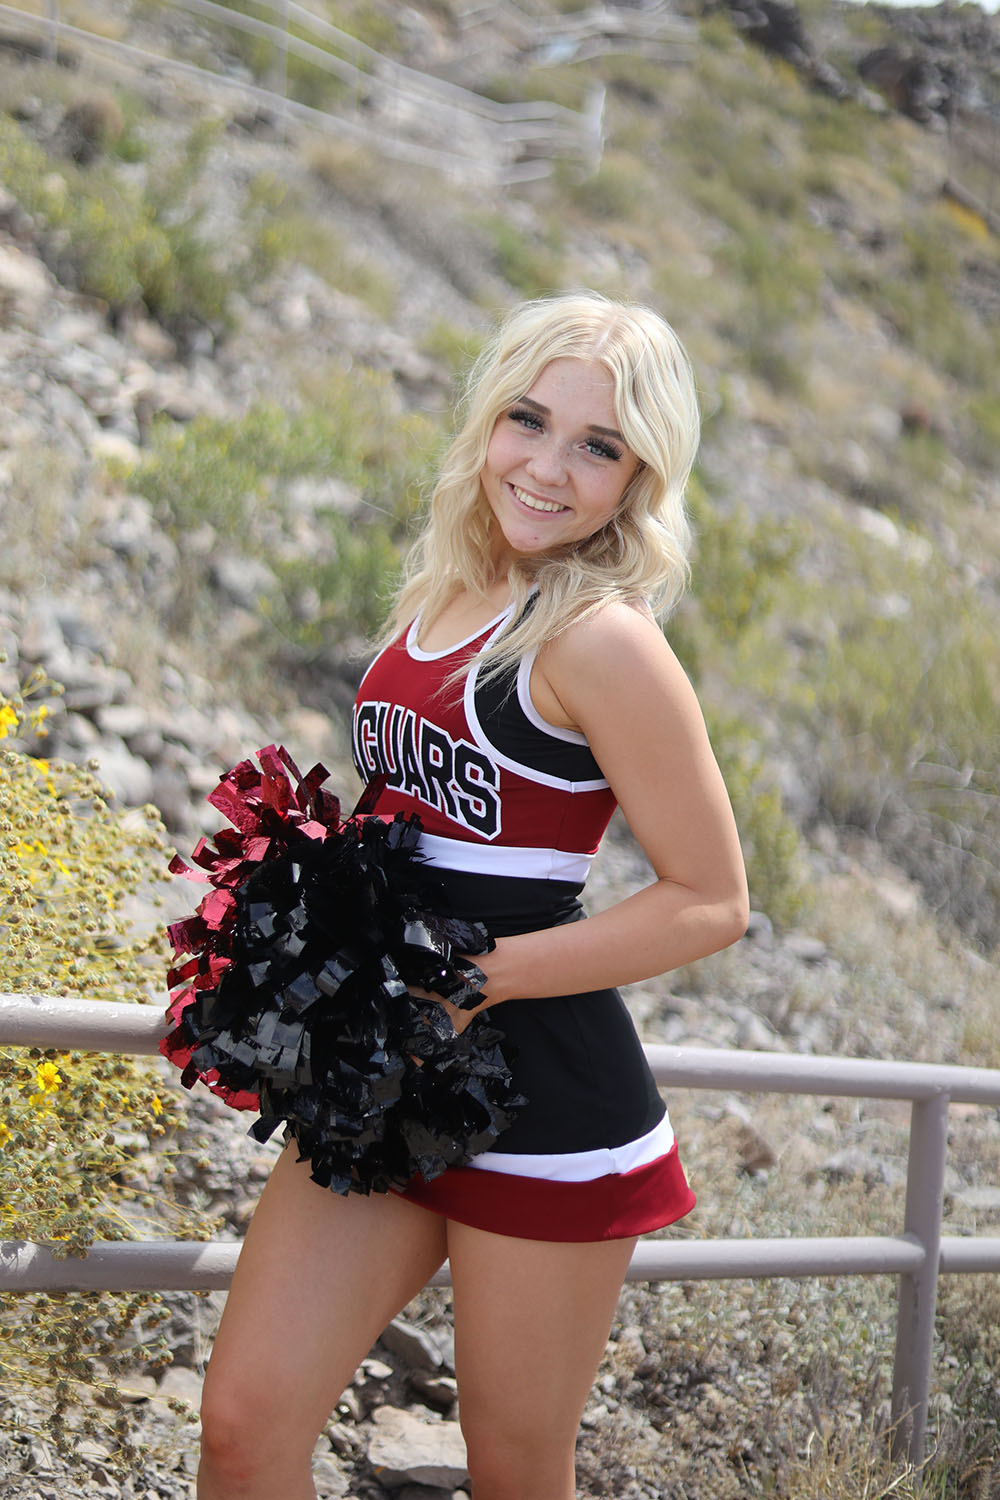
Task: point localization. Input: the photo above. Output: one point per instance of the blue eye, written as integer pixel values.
(526, 418)
(603, 449)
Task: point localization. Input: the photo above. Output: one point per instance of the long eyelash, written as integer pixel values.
(522, 414)
(598, 446)
(606, 450)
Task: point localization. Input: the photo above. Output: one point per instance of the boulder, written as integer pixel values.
(124, 774)
(23, 279)
(911, 83)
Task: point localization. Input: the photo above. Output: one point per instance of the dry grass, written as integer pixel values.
(781, 1387)
(42, 520)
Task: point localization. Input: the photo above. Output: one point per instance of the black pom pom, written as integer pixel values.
(300, 999)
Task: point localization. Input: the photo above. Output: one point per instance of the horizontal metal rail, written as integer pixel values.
(840, 1077)
(916, 1256)
(72, 1025)
(109, 1026)
(388, 143)
(473, 137)
(183, 1266)
(418, 85)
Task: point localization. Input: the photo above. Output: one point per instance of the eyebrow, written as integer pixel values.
(611, 432)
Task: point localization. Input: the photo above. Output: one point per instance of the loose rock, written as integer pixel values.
(408, 1449)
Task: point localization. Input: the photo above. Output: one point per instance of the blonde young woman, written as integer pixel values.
(525, 689)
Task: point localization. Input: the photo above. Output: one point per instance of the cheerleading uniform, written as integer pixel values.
(513, 810)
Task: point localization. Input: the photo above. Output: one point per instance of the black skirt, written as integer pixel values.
(591, 1155)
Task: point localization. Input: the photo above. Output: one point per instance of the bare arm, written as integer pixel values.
(616, 678)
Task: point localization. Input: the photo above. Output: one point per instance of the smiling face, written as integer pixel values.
(556, 466)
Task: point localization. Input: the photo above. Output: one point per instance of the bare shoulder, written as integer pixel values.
(614, 618)
(618, 659)
(617, 636)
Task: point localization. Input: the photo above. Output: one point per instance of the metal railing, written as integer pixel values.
(917, 1255)
(397, 111)
(655, 31)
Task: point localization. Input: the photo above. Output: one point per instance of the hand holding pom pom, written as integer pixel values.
(324, 994)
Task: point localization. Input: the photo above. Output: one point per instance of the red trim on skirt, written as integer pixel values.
(614, 1207)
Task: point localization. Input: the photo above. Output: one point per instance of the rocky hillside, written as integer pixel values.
(227, 353)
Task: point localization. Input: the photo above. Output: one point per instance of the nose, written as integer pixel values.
(547, 462)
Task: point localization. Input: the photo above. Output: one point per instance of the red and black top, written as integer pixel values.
(499, 790)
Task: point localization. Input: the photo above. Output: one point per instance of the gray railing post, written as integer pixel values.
(51, 44)
(918, 1289)
(595, 128)
(283, 71)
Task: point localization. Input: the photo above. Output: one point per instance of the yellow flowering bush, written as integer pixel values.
(82, 1136)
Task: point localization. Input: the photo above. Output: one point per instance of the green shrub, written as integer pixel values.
(126, 244)
(373, 26)
(73, 1126)
(614, 192)
(735, 160)
(216, 472)
(114, 240)
(918, 291)
(560, 85)
(780, 298)
(530, 266)
(982, 427)
(224, 472)
(296, 235)
(907, 721)
(835, 128)
(741, 564)
(740, 575)
(887, 686)
(455, 347)
(234, 477)
(350, 170)
(777, 872)
(927, 317)
(309, 82)
(351, 588)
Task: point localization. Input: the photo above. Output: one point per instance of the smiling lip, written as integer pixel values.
(542, 507)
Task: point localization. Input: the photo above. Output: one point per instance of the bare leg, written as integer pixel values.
(318, 1279)
(531, 1323)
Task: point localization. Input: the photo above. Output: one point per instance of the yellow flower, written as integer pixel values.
(157, 1105)
(8, 720)
(48, 1077)
(29, 846)
(4, 1134)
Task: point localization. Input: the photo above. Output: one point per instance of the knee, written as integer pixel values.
(243, 1434)
(231, 1428)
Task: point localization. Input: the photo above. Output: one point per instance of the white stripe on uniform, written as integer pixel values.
(582, 1166)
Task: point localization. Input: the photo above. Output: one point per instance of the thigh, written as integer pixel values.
(531, 1323)
(318, 1278)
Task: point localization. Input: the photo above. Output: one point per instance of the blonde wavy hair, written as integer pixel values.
(641, 554)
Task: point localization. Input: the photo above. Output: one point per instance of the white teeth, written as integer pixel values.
(533, 504)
